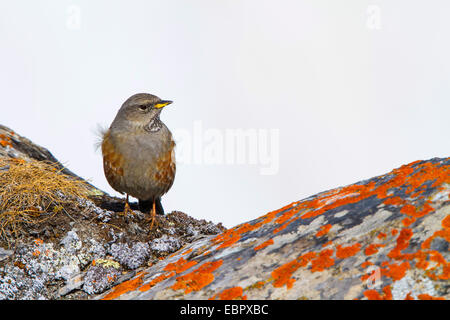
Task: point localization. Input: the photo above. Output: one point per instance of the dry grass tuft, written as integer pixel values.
(32, 192)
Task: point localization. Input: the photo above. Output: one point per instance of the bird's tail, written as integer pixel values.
(146, 206)
(99, 133)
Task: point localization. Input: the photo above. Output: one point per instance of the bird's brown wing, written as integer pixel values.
(164, 171)
(113, 163)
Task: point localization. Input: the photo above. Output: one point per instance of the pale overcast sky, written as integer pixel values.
(326, 93)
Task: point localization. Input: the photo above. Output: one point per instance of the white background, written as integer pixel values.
(356, 88)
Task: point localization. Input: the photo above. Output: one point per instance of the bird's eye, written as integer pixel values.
(143, 108)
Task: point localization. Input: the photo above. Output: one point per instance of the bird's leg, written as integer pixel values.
(153, 215)
(127, 208)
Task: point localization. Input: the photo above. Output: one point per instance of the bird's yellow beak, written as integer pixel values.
(162, 104)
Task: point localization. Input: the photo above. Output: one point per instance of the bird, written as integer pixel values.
(139, 153)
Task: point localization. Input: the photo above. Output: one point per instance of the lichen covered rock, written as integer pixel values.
(72, 245)
(383, 238)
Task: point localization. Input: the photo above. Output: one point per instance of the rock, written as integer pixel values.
(79, 246)
(130, 256)
(4, 254)
(101, 276)
(382, 238)
(73, 283)
(71, 242)
(165, 243)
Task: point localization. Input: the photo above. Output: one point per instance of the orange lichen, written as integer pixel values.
(245, 227)
(323, 230)
(437, 257)
(413, 178)
(323, 261)
(394, 201)
(372, 248)
(409, 297)
(232, 235)
(395, 271)
(180, 265)
(421, 259)
(155, 281)
(125, 287)
(374, 295)
(354, 193)
(445, 272)
(381, 235)
(346, 195)
(198, 278)
(428, 297)
(445, 223)
(440, 261)
(231, 239)
(369, 274)
(287, 215)
(267, 218)
(408, 221)
(349, 251)
(326, 244)
(304, 259)
(402, 243)
(235, 293)
(283, 226)
(408, 209)
(282, 275)
(411, 210)
(264, 244)
(187, 251)
(5, 141)
(366, 264)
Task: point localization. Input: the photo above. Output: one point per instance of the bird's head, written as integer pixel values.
(141, 110)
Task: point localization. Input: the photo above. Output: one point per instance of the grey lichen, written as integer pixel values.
(166, 244)
(101, 276)
(41, 263)
(130, 256)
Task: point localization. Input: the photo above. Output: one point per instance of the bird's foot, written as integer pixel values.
(126, 210)
(153, 217)
(154, 222)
